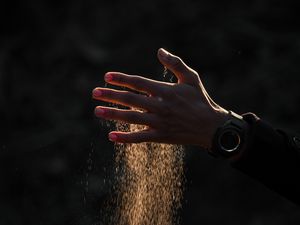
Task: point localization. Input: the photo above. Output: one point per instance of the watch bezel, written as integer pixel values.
(236, 124)
(222, 134)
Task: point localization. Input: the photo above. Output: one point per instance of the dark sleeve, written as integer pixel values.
(272, 157)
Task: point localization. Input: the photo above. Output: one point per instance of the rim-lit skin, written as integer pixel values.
(174, 113)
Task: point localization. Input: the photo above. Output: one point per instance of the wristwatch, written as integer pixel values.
(230, 137)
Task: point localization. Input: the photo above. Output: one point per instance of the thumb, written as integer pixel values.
(175, 64)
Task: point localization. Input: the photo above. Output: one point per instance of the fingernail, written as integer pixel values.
(112, 137)
(164, 54)
(108, 77)
(97, 92)
(100, 111)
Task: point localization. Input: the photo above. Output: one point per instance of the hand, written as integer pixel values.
(175, 113)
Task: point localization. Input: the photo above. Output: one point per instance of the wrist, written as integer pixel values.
(229, 138)
(220, 117)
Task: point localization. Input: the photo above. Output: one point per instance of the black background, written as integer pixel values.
(55, 160)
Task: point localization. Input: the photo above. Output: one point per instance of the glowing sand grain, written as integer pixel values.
(150, 182)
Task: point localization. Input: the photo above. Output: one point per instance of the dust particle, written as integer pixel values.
(149, 182)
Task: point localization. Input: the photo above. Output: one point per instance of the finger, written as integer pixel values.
(175, 64)
(127, 116)
(134, 137)
(134, 82)
(126, 98)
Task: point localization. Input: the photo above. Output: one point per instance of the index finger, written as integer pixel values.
(135, 82)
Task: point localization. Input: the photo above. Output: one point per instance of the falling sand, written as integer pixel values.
(149, 182)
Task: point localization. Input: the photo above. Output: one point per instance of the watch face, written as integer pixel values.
(229, 140)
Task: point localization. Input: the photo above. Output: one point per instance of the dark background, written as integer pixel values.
(55, 160)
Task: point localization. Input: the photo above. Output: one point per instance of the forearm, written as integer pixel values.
(183, 113)
(271, 157)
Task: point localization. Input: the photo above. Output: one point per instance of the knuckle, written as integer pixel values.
(164, 92)
(165, 126)
(125, 97)
(165, 111)
(119, 79)
(194, 74)
(177, 62)
(133, 138)
(112, 113)
(154, 105)
(109, 93)
(169, 93)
